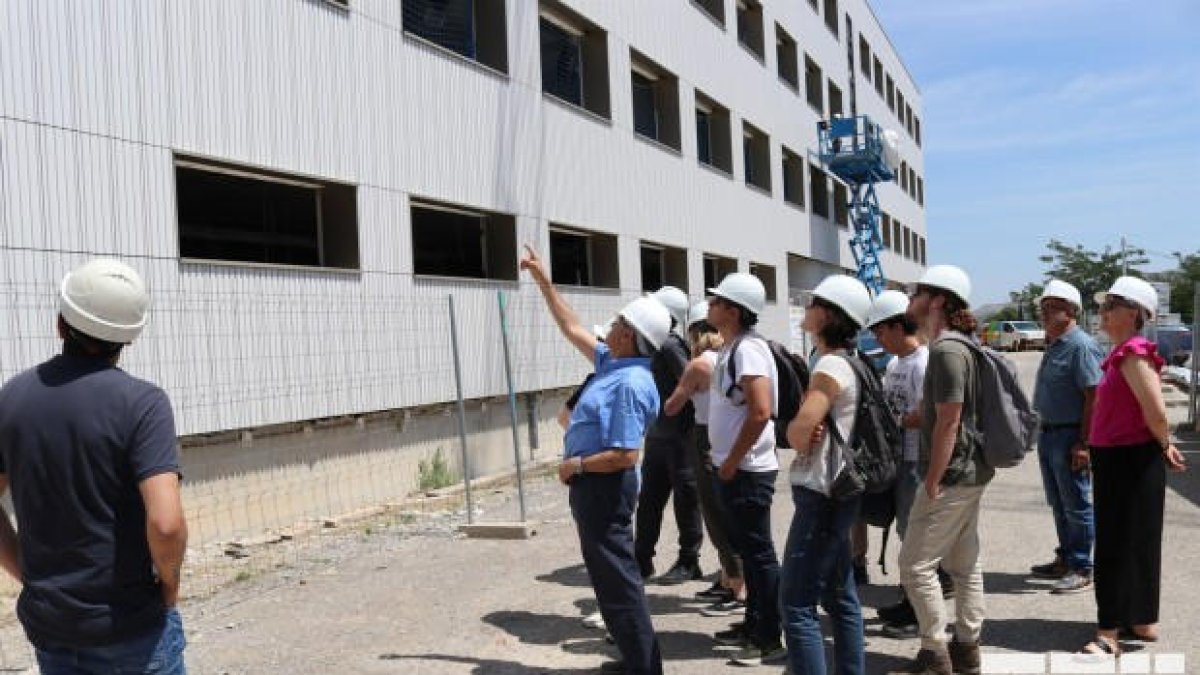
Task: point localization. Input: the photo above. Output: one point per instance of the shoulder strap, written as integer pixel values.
(732, 368)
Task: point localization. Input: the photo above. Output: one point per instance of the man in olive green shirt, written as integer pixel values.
(943, 526)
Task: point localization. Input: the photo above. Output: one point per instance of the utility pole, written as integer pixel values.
(1124, 259)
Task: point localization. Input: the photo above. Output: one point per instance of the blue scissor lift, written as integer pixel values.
(852, 149)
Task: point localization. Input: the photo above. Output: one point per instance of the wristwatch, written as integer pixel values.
(578, 466)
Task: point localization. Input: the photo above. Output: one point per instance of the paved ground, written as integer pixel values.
(414, 597)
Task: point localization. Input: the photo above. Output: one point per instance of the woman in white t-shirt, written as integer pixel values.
(817, 562)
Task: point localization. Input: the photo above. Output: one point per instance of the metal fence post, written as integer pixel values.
(462, 415)
(512, 402)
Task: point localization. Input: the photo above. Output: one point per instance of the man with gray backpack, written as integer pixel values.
(943, 526)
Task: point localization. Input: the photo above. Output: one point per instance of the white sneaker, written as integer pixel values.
(1073, 582)
(594, 620)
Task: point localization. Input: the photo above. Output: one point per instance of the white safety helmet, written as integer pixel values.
(888, 305)
(1056, 288)
(650, 319)
(676, 302)
(697, 313)
(104, 299)
(601, 331)
(742, 289)
(948, 278)
(1135, 290)
(846, 293)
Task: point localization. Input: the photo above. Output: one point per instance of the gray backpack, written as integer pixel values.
(1006, 423)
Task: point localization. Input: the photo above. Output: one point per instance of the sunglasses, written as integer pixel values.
(1114, 301)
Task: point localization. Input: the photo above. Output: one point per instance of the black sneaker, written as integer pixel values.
(1055, 569)
(647, 570)
(612, 667)
(680, 572)
(734, 637)
(901, 613)
(715, 593)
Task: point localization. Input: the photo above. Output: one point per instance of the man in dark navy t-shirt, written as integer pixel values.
(90, 455)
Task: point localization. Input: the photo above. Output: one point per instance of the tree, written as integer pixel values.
(1024, 301)
(1091, 271)
(1183, 285)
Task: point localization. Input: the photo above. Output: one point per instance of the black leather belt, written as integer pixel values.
(1056, 427)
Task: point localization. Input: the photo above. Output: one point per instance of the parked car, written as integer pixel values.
(1014, 335)
(1174, 343)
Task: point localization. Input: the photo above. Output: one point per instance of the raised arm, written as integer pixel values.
(564, 316)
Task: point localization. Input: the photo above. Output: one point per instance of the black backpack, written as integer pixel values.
(875, 449)
(793, 381)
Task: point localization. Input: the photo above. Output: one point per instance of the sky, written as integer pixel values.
(1076, 120)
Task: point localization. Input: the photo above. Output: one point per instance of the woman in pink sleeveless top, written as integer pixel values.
(1131, 450)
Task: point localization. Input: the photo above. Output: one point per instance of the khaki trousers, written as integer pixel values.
(944, 531)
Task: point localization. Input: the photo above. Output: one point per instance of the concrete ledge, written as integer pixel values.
(498, 530)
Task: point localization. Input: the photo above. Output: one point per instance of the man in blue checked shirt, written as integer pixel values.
(1066, 386)
(603, 438)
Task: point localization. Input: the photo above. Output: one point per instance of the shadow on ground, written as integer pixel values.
(572, 575)
(485, 666)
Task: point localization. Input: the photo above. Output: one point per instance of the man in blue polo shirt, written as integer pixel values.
(90, 454)
(602, 442)
(1066, 386)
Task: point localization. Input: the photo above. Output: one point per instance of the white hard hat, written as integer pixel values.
(601, 331)
(948, 278)
(104, 299)
(650, 319)
(1056, 288)
(1135, 290)
(697, 313)
(675, 300)
(846, 293)
(742, 289)
(888, 305)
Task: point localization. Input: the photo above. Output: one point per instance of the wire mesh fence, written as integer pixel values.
(316, 411)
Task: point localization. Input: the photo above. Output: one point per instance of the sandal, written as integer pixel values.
(1102, 645)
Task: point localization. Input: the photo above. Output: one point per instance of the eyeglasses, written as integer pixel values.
(1053, 305)
(1112, 302)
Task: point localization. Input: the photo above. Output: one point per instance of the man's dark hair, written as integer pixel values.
(746, 318)
(76, 343)
(902, 320)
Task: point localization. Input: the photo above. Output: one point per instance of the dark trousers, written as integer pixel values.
(710, 507)
(666, 469)
(1130, 484)
(747, 499)
(602, 505)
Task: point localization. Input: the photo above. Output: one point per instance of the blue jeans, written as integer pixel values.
(747, 501)
(1069, 495)
(158, 653)
(817, 569)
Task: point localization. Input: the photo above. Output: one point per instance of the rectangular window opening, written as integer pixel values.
(897, 241)
(819, 189)
(891, 93)
(886, 231)
(765, 274)
(841, 204)
(663, 266)
(878, 76)
(750, 27)
(655, 101)
(583, 258)
(907, 243)
(831, 17)
(459, 241)
(716, 268)
(835, 100)
(814, 84)
(233, 213)
(713, 8)
(787, 58)
(793, 178)
(756, 151)
(574, 55)
(475, 29)
(714, 146)
(864, 57)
